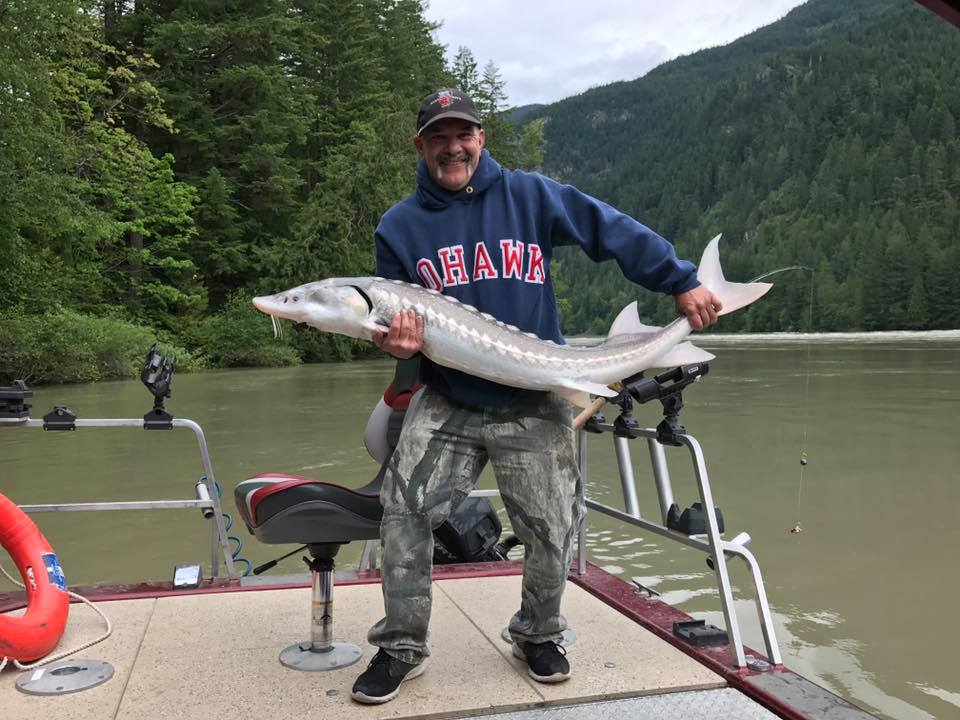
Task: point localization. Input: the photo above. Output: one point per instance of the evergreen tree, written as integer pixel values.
(510, 146)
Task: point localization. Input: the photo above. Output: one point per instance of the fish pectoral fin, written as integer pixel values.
(372, 325)
(575, 397)
(576, 391)
(683, 354)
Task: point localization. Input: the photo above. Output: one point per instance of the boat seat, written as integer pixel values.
(279, 508)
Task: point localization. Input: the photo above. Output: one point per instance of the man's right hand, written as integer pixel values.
(404, 338)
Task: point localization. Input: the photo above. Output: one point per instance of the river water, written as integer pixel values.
(864, 598)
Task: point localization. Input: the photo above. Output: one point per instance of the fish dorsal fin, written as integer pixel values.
(684, 354)
(628, 323)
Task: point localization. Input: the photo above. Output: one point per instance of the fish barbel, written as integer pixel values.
(459, 336)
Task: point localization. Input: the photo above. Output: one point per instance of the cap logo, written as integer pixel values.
(446, 98)
(446, 103)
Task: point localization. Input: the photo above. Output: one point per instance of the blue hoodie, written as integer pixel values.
(490, 245)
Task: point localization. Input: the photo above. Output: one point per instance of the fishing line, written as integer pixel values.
(780, 270)
(798, 528)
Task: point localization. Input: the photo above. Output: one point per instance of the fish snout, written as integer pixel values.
(285, 303)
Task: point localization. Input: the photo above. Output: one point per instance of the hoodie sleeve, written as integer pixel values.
(605, 233)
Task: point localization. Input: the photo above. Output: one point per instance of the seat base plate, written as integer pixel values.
(302, 656)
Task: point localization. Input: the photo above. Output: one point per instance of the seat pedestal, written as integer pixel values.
(321, 651)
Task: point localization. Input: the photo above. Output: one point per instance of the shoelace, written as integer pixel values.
(381, 658)
(542, 648)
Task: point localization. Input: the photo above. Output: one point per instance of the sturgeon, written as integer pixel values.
(461, 337)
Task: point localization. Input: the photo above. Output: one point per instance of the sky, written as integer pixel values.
(547, 51)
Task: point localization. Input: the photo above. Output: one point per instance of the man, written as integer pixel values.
(485, 235)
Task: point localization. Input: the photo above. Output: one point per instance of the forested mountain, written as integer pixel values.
(163, 160)
(828, 139)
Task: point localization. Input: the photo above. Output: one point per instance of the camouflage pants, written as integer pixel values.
(442, 449)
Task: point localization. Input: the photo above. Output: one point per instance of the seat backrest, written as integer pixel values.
(385, 422)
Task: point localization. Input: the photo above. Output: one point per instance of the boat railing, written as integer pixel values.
(206, 491)
(711, 542)
(157, 377)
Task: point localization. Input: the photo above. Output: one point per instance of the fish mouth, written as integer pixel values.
(277, 305)
(267, 305)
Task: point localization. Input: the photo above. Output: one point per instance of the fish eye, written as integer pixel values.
(296, 298)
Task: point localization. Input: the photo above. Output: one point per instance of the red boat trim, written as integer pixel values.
(658, 617)
(144, 590)
(946, 9)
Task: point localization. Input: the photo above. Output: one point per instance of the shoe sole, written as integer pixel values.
(360, 697)
(555, 678)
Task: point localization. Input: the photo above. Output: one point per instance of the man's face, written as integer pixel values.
(451, 149)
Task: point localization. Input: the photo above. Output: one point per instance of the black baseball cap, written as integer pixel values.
(446, 103)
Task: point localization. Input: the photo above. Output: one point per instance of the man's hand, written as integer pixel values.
(699, 306)
(404, 338)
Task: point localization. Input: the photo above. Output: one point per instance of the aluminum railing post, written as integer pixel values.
(629, 485)
(661, 476)
(221, 529)
(582, 534)
(716, 548)
(763, 607)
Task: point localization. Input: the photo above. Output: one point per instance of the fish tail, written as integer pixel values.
(732, 295)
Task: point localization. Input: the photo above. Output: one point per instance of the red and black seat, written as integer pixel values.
(282, 508)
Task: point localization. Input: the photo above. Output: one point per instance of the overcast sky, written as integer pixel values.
(551, 50)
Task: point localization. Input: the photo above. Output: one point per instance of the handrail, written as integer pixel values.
(715, 547)
(210, 503)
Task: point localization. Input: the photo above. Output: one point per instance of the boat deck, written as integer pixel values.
(215, 655)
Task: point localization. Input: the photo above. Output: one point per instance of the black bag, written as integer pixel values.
(469, 534)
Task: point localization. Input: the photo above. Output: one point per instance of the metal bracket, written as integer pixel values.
(649, 592)
(60, 418)
(158, 419)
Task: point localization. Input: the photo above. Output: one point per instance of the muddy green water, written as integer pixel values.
(864, 598)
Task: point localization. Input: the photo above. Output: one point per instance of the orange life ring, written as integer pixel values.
(37, 632)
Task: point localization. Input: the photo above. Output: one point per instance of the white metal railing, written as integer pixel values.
(712, 543)
(206, 497)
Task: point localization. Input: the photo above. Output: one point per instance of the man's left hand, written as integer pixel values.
(699, 306)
